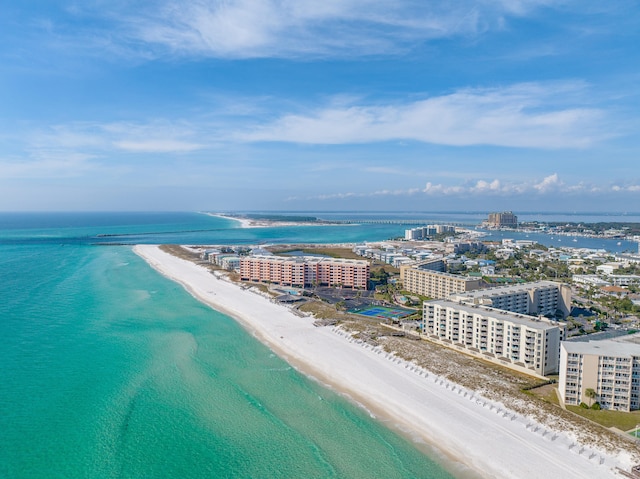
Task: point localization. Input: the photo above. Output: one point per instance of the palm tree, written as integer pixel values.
(591, 394)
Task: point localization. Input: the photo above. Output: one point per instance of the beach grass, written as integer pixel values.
(547, 393)
(319, 310)
(180, 252)
(625, 421)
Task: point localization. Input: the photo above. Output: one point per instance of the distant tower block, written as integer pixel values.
(506, 219)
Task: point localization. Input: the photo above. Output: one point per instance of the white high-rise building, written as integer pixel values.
(609, 368)
(508, 338)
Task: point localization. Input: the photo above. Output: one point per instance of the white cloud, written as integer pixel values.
(550, 185)
(625, 188)
(485, 186)
(523, 115)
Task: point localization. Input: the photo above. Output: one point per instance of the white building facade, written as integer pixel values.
(611, 368)
(510, 338)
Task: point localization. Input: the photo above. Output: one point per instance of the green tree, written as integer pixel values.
(591, 394)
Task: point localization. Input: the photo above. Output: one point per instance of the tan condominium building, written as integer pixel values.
(435, 284)
(504, 219)
(306, 271)
(540, 298)
(500, 336)
(607, 372)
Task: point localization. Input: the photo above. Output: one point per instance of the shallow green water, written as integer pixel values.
(110, 370)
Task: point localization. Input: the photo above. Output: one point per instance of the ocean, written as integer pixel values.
(110, 370)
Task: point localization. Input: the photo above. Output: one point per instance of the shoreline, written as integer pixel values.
(266, 223)
(485, 437)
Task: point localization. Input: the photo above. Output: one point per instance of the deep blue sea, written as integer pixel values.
(109, 370)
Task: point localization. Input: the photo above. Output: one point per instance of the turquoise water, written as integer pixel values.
(110, 370)
(181, 228)
(196, 228)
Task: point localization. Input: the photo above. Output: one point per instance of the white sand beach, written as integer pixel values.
(484, 436)
(267, 223)
(256, 223)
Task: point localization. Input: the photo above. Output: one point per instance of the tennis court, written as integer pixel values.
(383, 312)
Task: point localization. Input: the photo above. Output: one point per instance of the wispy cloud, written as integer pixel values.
(157, 146)
(290, 28)
(157, 136)
(523, 115)
(154, 136)
(47, 163)
(78, 148)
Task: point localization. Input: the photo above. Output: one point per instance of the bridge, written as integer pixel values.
(397, 222)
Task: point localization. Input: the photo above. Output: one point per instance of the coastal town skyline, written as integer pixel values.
(526, 105)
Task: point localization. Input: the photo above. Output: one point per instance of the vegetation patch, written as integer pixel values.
(180, 252)
(624, 421)
(547, 393)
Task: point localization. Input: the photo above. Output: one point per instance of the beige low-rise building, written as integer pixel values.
(514, 340)
(435, 284)
(606, 371)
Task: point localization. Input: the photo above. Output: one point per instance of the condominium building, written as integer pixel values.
(505, 219)
(606, 371)
(460, 247)
(431, 264)
(624, 279)
(435, 284)
(229, 262)
(589, 280)
(540, 298)
(511, 339)
(427, 231)
(415, 234)
(306, 271)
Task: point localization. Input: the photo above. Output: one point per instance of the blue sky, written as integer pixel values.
(523, 105)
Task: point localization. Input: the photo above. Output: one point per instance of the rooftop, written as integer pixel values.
(307, 259)
(621, 346)
(513, 288)
(499, 314)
